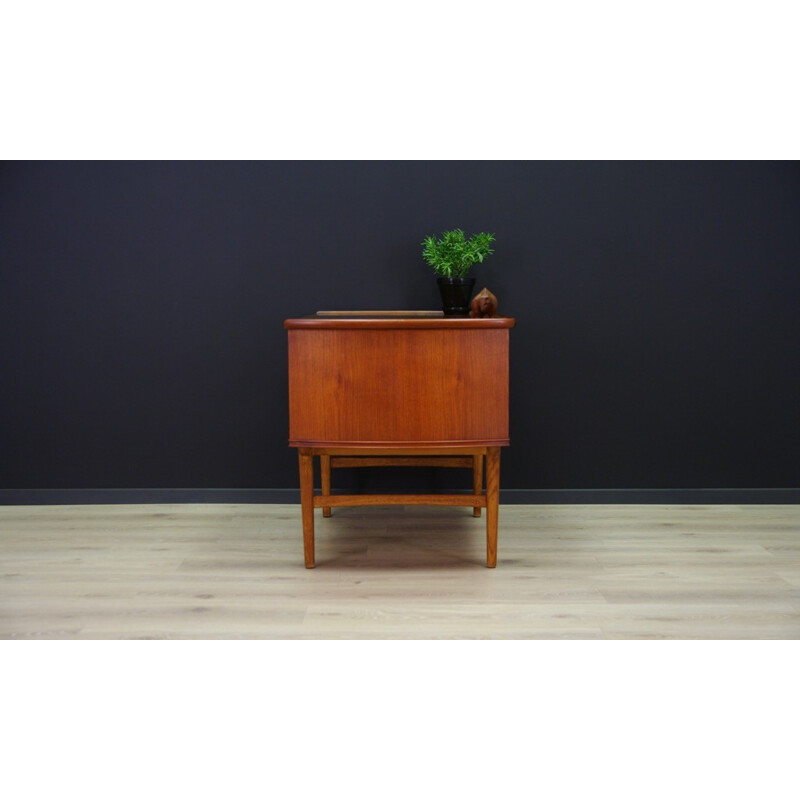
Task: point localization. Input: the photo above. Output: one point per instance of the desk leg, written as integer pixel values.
(325, 469)
(306, 459)
(492, 503)
(477, 480)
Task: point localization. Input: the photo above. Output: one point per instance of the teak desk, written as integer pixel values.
(398, 389)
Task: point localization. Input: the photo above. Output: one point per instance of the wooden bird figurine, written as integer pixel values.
(484, 304)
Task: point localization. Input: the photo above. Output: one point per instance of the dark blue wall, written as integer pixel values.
(141, 309)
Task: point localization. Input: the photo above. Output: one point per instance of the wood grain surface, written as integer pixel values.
(399, 321)
(343, 500)
(236, 572)
(401, 461)
(398, 387)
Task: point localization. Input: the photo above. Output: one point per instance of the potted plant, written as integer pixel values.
(452, 257)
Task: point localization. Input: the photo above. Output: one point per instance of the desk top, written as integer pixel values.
(394, 320)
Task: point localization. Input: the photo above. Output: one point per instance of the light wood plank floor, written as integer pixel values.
(236, 571)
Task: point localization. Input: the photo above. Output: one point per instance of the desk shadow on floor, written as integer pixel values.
(398, 538)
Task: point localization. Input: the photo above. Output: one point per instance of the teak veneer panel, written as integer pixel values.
(397, 386)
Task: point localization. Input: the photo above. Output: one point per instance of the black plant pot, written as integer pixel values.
(456, 294)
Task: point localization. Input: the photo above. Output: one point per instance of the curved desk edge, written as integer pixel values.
(397, 323)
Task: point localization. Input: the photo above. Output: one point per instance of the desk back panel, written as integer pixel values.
(415, 387)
